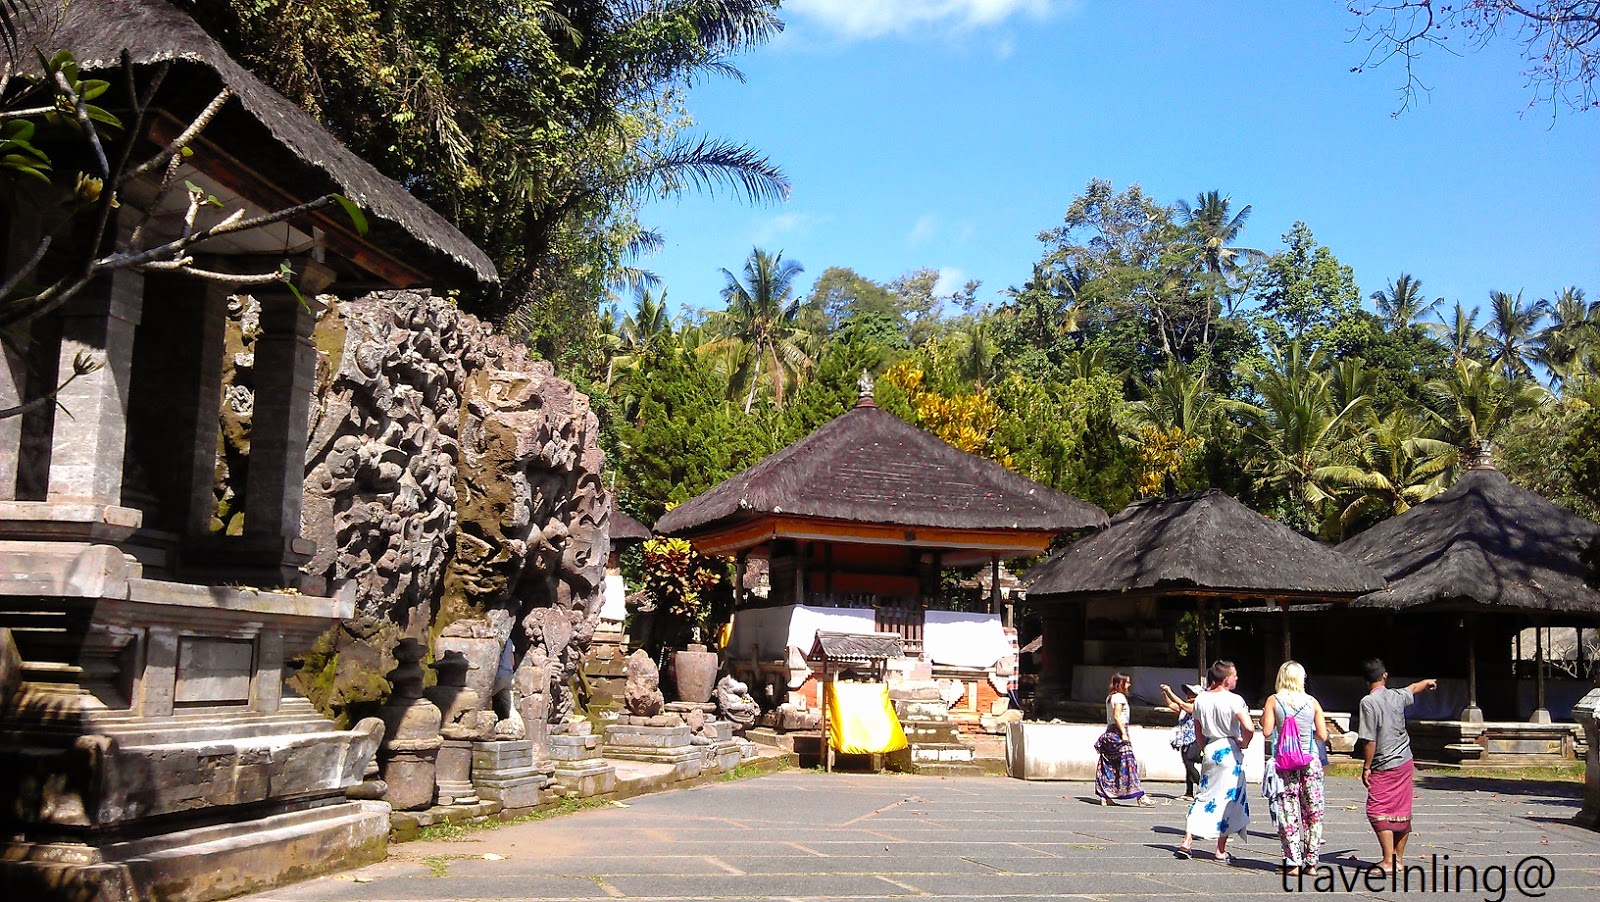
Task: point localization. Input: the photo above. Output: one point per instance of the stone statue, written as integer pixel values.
(734, 702)
(642, 693)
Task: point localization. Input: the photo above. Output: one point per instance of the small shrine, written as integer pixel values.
(856, 525)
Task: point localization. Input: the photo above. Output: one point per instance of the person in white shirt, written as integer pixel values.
(1222, 807)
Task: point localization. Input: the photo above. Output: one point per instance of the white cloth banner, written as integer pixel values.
(615, 607)
(959, 639)
(769, 632)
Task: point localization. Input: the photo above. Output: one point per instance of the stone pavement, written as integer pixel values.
(803, 835)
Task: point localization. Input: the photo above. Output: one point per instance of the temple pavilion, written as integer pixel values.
(1118, 599)
(857, 522)
(1468, 571)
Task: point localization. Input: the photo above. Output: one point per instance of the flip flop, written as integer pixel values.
(1182, 853)
(1225, 860)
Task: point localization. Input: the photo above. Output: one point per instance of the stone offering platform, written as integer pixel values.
(812, 836)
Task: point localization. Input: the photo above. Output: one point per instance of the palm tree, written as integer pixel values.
(1570, 346)
(649, 326)
(1296, 427)
(1402, 303)
(1175, 398)
(1216, 231)
(1460, 333)
(759, 324)
(1511, 332)
(976, 356)
(1390, 467)
(1473, 402)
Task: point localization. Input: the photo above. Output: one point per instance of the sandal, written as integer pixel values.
(1225, 859)
(1182, 854)
(1146, 803)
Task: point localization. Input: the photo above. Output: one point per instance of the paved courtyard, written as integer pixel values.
(803, 835)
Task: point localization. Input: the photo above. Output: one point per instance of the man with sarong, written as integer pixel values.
(1386, 765)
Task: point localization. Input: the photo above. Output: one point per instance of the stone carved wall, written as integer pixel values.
(448, 476)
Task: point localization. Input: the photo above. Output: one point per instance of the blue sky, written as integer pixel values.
(950, 136)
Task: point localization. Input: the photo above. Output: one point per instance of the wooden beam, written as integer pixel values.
(341, 234)
(984, 543)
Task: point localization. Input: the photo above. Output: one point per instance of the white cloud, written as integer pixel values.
(861, 19)
(924, 230)
(774, 230)
(951, 280)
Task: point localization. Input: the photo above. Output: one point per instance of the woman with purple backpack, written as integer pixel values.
(1296, 733)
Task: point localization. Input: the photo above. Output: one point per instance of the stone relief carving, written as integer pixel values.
(455, 483)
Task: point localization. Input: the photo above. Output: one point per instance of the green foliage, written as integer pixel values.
(537, 126)
(680, 583)
(1306, 295)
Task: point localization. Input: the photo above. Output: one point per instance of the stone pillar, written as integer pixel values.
(285, 373)
(13, 391)
(199, 466)
(1585, 713)
(411, 738)
(90, 437)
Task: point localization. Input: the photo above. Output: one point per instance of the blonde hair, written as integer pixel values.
(1291, 677)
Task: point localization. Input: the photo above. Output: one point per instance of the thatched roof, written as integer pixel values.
(1485, 543)
(1203, 542)
(855, 648)
(870, 466)
(626, 530)
(263, 129)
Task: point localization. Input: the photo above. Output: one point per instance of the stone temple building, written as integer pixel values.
(147, 746)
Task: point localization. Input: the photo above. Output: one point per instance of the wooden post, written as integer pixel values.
(741, 563)
(827, 569)
(1471, 713)
(994, 585)
(1200, 608)
(1283, 604)
(1540, 714)
(827, 741)
(801, 548)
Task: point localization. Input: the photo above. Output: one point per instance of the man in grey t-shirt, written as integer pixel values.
(1386, 760)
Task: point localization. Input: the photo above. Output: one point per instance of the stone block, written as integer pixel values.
(573, 748)
(589, 778)
(620, 735)
(513, 793)
(504, 755)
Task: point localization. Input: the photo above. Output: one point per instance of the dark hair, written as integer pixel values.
(1121, 680)
(1373, 669)
(1219, 671)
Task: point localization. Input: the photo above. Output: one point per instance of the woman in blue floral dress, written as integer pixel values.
(1222, 807)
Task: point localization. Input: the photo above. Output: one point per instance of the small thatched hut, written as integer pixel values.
(857, 521)
(1158, 560)
(1485, 554)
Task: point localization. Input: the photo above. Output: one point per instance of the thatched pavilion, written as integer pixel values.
(857, 521)
(1114, 600)
(1468, 569)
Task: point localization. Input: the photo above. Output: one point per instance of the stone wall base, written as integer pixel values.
(202, 864)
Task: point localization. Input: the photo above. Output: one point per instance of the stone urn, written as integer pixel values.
(694, 672)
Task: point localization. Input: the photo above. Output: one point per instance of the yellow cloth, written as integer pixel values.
(861, 720)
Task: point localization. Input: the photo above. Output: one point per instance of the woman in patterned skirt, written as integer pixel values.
(1222, 808)
(1295, 796)
(1117, 777)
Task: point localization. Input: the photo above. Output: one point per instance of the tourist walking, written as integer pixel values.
(1386, 765)
(1184, 737)
(1222, 807)
(1117, 777)
(1295, 729)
